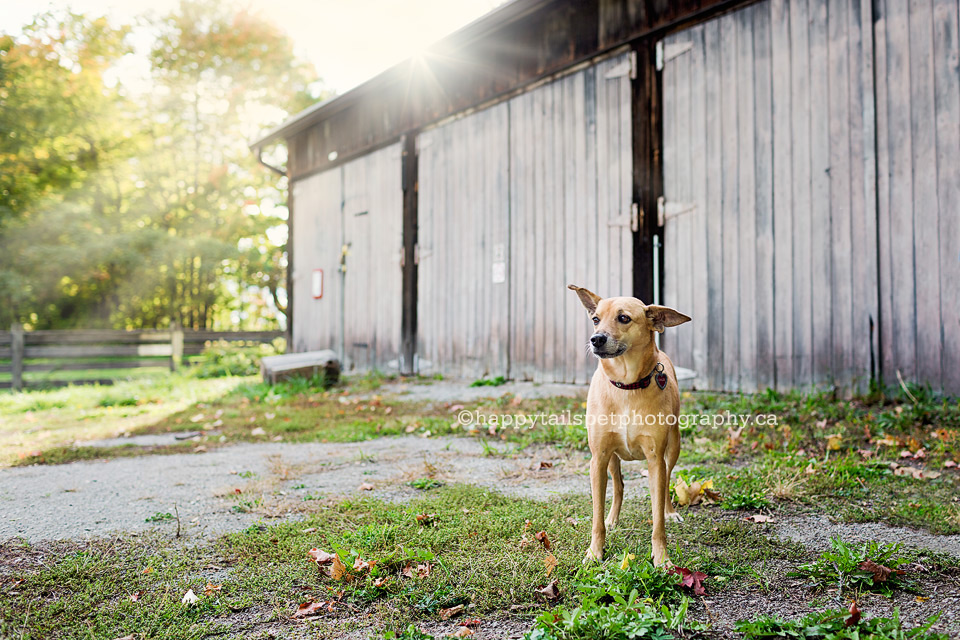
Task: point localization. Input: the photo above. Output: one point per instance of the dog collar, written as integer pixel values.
(644, 382)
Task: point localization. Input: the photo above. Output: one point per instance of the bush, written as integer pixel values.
(836, 625)
(223, 358)
(843, 567)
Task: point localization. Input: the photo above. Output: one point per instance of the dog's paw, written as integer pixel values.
(675, 517)
(592, 557)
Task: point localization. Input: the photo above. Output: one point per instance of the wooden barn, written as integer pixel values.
(786, 172)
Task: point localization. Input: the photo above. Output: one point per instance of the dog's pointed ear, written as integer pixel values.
(589, 299)
(662, 317)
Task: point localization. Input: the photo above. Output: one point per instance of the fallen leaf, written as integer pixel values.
(361, 565)
(544, 464)
(446, 614)
(854, 615)
(366, 486)
(572, 521)
(320, 556)
(197, 418)
(922, 598)
(627, 557)
(212, 589)
(407, 571)
(463, 632)
(426, 518)
(189, 598)
(691, 579)
(237, 491)
(949, 464)
(379, 582)
(423, 569)
(147, 571)
(337, 569)
(308, 609)
(308, 530)
(550, 562)
(258, 431)
(134, 597)
(887, 441)
(551, 591)
(542, 538)
(880, 572)
(759, 517)
(833, 441)
(200, 449)
(129, 637)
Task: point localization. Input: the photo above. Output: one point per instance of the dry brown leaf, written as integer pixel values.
(423, 569)
(337, 569)
(463, 632)
(550, 562)
(361, 565)
(379, 582)
(759, 517)
(134, 597)
(551, 591)
(366, 486)
(308, 530)
(542, 538)
(407, 571)
(446, 614)
(308, 609)
(544, 464)
(854, 615)
(212, 589)
(879, 571)
(887, 441)
(147, 570)
(834, 441)
(320, 556)
(426, 518)
(129, 637)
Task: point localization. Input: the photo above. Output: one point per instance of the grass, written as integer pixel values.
(865, 567)
(479, 551)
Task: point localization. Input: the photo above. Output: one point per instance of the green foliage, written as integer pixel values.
(410, 632)
(223, 358)
(840, 567)
(605, 582)
(159, 517)
(133, 210)
(489, 382)
(833, 625)
(754, 500)
(425, 484)
(625, 617)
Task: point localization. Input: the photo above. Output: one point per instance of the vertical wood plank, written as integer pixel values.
(671, 158)
(863, 204)
(763, 170)
(947, 100)
(822, 238)
(926, 218)
(746, 207)
(625, 164)
(782, 204)
(729, 171)
(900, 158)
(885, 274)
(713, 210)
(841, 287)
(592, 190)
(683, 274)
(803, 229)
(698, 220)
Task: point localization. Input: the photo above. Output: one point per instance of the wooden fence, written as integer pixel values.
(24, 352)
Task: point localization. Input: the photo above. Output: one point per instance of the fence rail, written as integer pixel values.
(51, 351)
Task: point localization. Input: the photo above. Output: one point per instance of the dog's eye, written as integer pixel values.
(622, 319)
(596, 320)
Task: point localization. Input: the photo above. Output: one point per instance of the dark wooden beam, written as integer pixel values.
(647, 172)
(408, 322)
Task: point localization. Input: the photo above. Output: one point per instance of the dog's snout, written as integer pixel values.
(598, 340)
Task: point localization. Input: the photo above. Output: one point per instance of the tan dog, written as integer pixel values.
(632, 396)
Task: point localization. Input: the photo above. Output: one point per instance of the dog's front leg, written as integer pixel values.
(598, 487)
(658, 497)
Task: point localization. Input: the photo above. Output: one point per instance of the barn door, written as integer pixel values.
(371, 270)
(571, 220)
(768, 168)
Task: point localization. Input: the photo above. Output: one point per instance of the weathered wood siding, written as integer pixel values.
(918, 169)
(317, 238)
(769, 178)
(539, 187)
(570, 195)
(463, 229)
(357, 205)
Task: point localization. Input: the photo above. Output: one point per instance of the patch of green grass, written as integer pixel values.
(425, 484)
(865, 567)
(159, 517)
(489, 382)
(745, 501)
(837, 625)
(65, 455)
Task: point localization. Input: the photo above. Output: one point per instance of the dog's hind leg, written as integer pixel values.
(673, 452)
(614, 468)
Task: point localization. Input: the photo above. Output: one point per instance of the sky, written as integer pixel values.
(348, 41)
